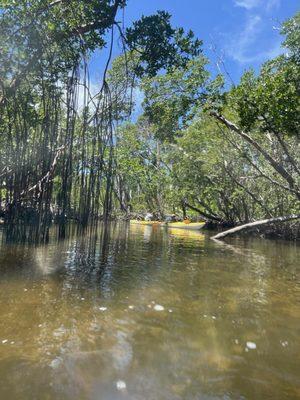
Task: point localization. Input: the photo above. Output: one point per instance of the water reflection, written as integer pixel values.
(79, 318)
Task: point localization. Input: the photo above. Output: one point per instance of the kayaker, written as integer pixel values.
(148, 217)
(170, 218)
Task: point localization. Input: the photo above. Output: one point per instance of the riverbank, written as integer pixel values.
(289, 231)
(283, 230)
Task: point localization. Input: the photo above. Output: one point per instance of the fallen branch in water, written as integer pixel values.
(255, 224)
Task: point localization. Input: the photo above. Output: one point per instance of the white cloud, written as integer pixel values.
(242, 48)
(271, 4)
(267, 5)
(248, 4)
(239, 46)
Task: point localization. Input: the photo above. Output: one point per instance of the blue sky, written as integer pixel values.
(242, 33)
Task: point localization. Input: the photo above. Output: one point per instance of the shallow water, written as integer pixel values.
(142, 313)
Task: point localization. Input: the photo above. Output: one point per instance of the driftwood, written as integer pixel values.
(250, 225)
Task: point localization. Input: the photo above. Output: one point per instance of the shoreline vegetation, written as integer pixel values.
(200, 148)
(284, 228)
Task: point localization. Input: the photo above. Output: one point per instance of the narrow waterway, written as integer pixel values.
(143, 313)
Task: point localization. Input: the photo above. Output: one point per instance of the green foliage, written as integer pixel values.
(43, 34)
(271, 100)
(122, 82)
(160, 45)
(53, 152)
(211, 168)
(176, 154)
(139, 168)
(291, 29)
(171, 99)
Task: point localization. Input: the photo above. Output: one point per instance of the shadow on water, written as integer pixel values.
(136, 312)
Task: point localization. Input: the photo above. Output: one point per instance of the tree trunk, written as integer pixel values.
(203, 213)
(276, 165)
(250, 225)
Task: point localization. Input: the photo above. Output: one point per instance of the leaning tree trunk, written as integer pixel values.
(255, 224)
(278, 167)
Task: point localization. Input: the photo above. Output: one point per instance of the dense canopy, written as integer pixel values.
(229, 155)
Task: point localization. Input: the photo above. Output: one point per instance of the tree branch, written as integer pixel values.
(278, 167)
(255, 224)
(49, 175)
(203, 213)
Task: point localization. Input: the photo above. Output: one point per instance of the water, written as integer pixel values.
(142, 313)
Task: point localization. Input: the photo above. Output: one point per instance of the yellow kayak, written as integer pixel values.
(194, 226)
(147, 223)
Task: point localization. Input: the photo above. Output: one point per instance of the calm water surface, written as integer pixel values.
(141, 313)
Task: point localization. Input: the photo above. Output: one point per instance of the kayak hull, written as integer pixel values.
(193, 226)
